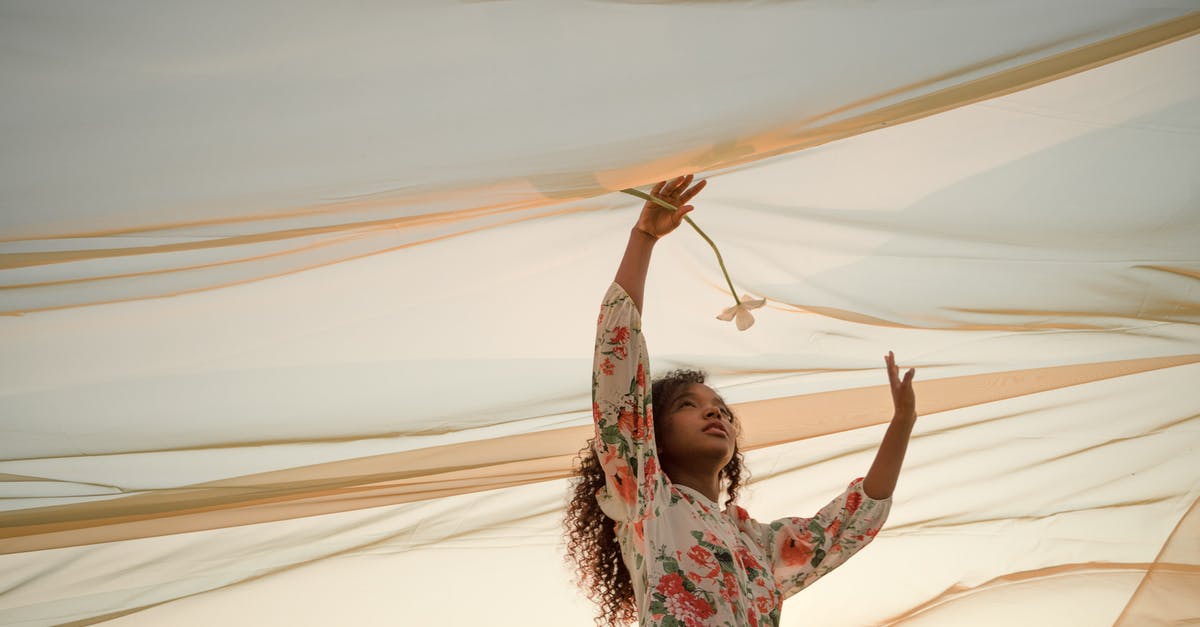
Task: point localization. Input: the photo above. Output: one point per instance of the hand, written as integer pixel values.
(902, 390)
(656, 220)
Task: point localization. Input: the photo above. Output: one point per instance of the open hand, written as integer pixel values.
(902, 389)
(656, 220)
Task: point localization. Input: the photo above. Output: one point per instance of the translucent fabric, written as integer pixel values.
(299, 298)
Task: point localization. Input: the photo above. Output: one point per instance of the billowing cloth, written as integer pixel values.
(690, 561)
(291, 297)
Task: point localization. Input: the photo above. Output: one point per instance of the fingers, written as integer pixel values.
(676, 192)
(894, 372)
(679, 215)
(675, 187)
(677, 184)
(689, 194)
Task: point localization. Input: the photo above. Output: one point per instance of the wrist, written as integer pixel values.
(643, 234)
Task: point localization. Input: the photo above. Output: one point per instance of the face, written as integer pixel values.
(698, 426)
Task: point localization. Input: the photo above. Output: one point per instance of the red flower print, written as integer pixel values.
(705, 560)
(627, 422)
(834, 527)
(641, 377)
(795, 551)
(670, 585)
(684, 606)
(852, 502)
(871, 532)
(596, 411)
(625, 484)
(619, 334)
(606, 367)
(619, 351)
(648, 476)
(742, 514)
(763, 604)
(747, 559)
(729, 588)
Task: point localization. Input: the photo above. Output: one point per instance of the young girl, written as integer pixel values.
(644, 525)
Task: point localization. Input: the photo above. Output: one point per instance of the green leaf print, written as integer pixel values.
(611, 434)
(671, 621)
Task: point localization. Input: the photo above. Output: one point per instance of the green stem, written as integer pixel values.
(663, 203)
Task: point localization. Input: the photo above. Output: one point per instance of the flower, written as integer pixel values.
(742, 309)
(741, 312)
(685, 607)
(795, 551)
(853, 500)
(705, 560)
(626, 486)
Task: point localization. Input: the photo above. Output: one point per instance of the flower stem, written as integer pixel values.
(663, 203)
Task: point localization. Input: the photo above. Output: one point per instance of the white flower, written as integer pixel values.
(741, 312)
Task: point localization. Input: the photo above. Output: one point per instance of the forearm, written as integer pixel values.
(631, 274)
(880, 481)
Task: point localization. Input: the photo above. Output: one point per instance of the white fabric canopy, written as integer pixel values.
(299, 298)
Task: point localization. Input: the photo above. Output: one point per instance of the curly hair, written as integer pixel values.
(591, 536)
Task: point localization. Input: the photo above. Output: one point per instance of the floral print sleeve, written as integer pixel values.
(803, 550)
(621, 412)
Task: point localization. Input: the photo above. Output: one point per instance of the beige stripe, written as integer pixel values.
(960, 593)
(994, 85)
(501, 462)
(18, 312)
(767, 144)
(1169, 593)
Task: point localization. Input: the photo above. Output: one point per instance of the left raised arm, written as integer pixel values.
(880, 481)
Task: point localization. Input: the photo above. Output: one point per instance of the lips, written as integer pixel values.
(716, 428)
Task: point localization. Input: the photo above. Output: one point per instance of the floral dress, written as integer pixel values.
(691, 562)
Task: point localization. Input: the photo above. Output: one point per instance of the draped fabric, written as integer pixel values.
(298, 299)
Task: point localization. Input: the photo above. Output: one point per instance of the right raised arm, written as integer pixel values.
(624, 437)
(654, 222)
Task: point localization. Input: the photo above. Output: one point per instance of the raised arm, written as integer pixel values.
(885, 470)
(653, 223)
(624, 441)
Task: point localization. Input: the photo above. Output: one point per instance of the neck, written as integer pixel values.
(704, 481)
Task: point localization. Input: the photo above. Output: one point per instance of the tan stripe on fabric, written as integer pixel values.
(991, 86)
(1169, 594)
(788, 138)
(963, 593)
(501, 462)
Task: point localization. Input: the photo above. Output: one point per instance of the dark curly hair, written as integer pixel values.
(591, 538)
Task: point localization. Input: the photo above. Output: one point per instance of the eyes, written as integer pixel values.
(690, 403)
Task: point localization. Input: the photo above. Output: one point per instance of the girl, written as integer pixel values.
(644, 525)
